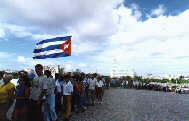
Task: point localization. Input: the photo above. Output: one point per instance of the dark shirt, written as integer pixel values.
(21, 93)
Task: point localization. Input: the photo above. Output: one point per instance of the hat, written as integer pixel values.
(31, 75)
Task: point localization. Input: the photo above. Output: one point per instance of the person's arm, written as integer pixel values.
(44, 89)
(10, 93)
(27, 94)
(42, 94)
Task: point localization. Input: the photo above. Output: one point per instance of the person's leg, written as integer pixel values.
(38, 111)
(97, 94)
(78, 96)
(64, 103)
(15, 114)
(68, 106)
(92, 94)
(32, 110)
(4, 107)
(52, 108)
(83, 104)
(101, 96)
(46, 110)
(89, 95)
(73, 102)
(56, 102)
(24, 111)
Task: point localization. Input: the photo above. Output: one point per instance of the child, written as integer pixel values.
(22, 99)
(100, 86)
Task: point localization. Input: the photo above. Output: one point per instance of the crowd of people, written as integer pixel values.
(149, 86)
(39, 96)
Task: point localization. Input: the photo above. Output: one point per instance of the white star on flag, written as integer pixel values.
(66, 46)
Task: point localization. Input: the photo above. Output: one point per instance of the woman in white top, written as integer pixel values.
(99, 85)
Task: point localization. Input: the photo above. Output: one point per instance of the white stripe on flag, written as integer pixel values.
(44, 45)
(48, 52)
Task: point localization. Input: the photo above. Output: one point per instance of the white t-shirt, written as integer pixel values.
(67, 88)
(99, 84)
(38, 84)
(51, 86)
(92, 84)
(59, 84)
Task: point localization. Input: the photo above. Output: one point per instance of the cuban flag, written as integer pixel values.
(53, 48)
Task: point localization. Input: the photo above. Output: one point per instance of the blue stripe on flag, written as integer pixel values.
(52, 55)
(51, 47)
(54, 40)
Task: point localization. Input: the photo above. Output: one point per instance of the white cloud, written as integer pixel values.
(136, 12)
(5, 55)
(2, 33)
(21, 58)
(157, 12)
(152, 45)
(82, 65)
(103, 33)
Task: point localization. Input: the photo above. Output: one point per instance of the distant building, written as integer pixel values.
(78, 70)
(116, 72)
(54, 69)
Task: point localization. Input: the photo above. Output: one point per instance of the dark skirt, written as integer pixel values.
(99, 91)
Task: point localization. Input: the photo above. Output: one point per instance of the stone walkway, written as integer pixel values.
(137, 105)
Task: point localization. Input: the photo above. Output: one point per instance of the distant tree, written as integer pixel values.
(181, 77)
(164, 80)
(138, 78)
(173, 80)
(146, 80)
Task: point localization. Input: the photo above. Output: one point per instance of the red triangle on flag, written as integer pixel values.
(66, 47)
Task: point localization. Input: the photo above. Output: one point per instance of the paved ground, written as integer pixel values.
(137, 105)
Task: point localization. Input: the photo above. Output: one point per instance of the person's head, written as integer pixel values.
(7, 78)
(47, 73)
(99, 78)
(56, 76)
(39, 69)
(79, 79)
(67, 78)
(22, 81)
(93, 76)
(22, 73)
(25, 81)
(60, 78)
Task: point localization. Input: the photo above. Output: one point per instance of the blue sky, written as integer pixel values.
(172, 7)
(150, 36)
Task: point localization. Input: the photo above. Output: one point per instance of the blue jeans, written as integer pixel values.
(88, 97)
(83, 104)
(49, 106)
(92, 96)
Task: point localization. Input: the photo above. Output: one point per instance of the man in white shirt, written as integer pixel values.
(59, 93)
(92, 84)
(38, 90)
(49, 105)
(67, 93)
